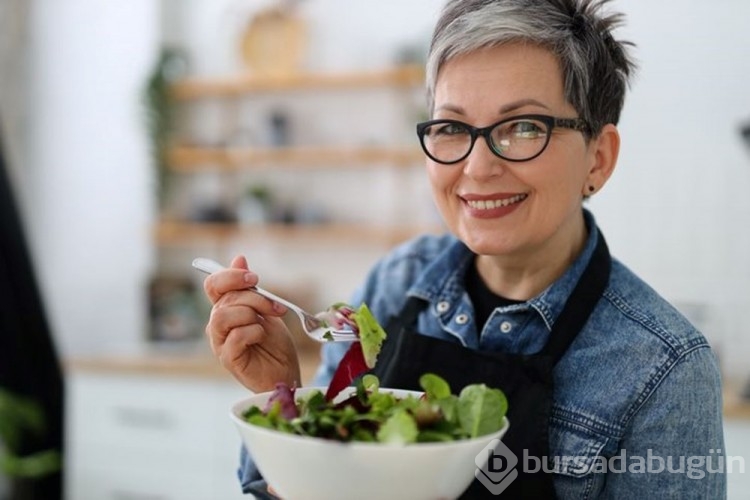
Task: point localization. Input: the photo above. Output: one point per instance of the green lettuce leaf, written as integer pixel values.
(371, 334)
(481, 409)
(400, 427)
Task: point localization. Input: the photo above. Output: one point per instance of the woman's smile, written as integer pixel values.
(494, 206)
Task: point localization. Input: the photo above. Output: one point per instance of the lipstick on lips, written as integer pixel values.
(494, 205)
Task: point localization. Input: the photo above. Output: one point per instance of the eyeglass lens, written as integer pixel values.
(518, 140)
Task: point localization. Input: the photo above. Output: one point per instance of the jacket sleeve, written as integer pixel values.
(675, 443)
(250, 478)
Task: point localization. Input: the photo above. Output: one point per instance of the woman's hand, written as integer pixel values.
(246, 331)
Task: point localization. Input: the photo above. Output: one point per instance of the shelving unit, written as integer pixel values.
(189, 157)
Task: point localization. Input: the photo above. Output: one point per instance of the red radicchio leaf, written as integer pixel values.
(352, 365)
(285, 396)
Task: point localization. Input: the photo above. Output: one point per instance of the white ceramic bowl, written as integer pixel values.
(307, 468)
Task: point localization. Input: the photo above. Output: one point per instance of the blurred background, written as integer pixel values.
(138, 135)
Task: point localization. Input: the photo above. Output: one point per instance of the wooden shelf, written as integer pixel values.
(401, 76)
(176, 233)
(194, 158)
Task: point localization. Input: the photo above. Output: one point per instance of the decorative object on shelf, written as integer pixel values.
(215, 211)
(274, 41)
(255, 206)
(279, 129)
(170, 67)
(310, 213)
(413, 54)
(174, 309)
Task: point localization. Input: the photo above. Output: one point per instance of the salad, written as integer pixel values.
(371, 415)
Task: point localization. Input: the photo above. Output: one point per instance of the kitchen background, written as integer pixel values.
(112, 252)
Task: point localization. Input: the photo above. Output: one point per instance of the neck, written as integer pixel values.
(526, 274)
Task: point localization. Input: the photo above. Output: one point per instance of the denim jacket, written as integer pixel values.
(637, 399)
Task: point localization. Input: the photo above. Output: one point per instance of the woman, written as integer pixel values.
(610, 388)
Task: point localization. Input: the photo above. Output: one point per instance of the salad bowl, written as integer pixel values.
(309, 468)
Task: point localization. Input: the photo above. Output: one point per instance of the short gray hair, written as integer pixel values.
(596, 68)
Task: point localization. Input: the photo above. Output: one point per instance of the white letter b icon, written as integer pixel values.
(496, 466)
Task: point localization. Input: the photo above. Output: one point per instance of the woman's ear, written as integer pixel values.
(603, 152)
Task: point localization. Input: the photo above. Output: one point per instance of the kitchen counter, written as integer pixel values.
(172, 364)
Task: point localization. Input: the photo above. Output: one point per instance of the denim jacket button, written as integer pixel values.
(506, 326)
(443, 306)
(462, 319)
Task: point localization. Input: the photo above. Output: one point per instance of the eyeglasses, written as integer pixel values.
(520, 138)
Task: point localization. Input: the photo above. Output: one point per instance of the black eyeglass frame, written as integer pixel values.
(551, 122)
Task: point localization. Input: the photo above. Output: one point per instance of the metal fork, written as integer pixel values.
(312, 326)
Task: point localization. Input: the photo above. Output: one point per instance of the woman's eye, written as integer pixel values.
(526, 129)
(448, 129)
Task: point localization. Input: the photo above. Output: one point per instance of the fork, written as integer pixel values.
(313, 327)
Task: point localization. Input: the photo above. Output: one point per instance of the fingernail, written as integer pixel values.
(250, 277)
(279, 308)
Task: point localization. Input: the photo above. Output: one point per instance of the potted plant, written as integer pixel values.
(159, 110)
(19, 417)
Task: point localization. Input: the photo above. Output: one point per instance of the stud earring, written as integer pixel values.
(591, 189)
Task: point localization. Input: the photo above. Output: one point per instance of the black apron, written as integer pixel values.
(526, 380)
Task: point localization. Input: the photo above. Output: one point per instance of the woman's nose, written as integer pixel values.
(482, 162)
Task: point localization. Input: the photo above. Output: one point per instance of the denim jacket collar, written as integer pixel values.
(443, 280)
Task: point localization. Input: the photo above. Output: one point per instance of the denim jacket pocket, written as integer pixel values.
(577, 445)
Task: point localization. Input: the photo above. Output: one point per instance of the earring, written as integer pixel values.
(592, 189)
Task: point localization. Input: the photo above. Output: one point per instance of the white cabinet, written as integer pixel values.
(137, 436)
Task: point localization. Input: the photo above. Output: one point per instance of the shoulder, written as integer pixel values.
(633, 342)
(638, 359)
(658, 343)
(646, 316)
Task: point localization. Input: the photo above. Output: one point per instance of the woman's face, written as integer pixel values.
(541, 198)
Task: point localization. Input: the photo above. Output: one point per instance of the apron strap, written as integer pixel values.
(581, 302)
